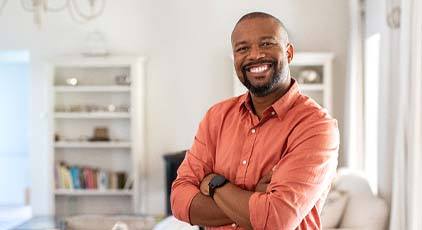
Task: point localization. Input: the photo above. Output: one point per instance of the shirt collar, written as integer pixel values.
(281, 106)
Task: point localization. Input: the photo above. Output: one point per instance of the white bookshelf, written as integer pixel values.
(320, 62)
(97, 89)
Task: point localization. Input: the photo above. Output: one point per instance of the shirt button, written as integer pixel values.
(253, 130)
(244, 162)
(273, 113)
(233, 225)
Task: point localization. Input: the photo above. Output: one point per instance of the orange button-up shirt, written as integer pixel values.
(295, 138)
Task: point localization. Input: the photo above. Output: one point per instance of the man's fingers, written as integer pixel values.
(266, 178)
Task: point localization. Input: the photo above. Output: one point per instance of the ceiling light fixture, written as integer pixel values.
(79, 10)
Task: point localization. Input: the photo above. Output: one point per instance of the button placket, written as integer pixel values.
(248, 153)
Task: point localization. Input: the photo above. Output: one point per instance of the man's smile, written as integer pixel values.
(258, 71)
(258, 68)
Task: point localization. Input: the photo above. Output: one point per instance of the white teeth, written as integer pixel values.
(259, 69)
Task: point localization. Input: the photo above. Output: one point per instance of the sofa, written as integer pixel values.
(352, 205)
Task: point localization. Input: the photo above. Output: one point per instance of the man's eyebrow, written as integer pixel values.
(240, 43)
(268, 37)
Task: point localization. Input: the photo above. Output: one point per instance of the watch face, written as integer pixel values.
(218, 181)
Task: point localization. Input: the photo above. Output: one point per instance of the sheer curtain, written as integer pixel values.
(354, 129)
(405, 92)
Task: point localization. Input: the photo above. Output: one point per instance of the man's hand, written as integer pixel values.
(204, 184)
(263, 183)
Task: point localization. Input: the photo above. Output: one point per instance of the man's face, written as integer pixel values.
(260, 58)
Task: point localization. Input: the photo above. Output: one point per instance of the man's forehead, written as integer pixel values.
(256, 27)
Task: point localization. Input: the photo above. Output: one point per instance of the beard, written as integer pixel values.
(267, 88)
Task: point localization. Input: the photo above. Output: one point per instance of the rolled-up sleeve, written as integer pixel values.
(302, 175)
(196, 165)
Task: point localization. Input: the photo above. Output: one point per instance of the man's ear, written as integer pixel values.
(290, 50)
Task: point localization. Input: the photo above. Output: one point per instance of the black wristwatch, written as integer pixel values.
(216, 182)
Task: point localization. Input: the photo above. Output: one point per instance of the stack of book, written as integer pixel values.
(77, 177)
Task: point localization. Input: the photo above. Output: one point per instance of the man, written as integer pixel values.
(265, 159)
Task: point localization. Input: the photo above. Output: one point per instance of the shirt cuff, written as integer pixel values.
(182, 201)
(258, 210)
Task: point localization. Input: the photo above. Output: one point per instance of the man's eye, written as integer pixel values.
(266, 44)
(242, 49)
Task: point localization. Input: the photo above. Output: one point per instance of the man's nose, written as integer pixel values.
(256, 53)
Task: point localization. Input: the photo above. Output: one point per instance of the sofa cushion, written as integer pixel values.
(365, 212)
(333, 209)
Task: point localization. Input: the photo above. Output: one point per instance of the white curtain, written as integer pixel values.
(405, 93)
(354, 129)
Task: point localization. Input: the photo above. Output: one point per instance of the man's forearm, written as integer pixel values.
(234, 202)
(205, 212)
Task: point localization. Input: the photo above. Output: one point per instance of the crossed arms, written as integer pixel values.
(281, 200)
(229, 206)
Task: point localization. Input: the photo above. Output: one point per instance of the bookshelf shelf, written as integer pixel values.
(93, 192)
(311, 87)
(93, 115)
(111, 145)
(91, 89)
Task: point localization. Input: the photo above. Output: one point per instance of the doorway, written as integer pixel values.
(14, 138)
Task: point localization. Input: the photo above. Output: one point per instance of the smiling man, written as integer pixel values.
(265, 159)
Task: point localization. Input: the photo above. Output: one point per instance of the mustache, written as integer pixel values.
(258, 62)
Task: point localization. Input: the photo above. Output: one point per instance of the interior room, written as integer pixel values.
(103, 100)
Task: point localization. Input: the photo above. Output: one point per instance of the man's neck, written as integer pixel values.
(260, 104)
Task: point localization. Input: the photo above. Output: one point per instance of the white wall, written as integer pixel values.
(14, 157)
(189, 69)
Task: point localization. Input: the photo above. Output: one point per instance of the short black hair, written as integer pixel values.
(257, 14)
(260, 15)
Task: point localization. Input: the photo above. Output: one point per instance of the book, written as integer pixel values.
(74, 172)
(102, 179)
(121, 179)
(77, 177)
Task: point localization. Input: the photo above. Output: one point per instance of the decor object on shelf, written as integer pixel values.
(56, 137)
(309, 76)
(76, 11)
(124, 108)
(72, 81)
(75, 108)
(122, 79)
(60, 108)
(100, 134)
(111, 108)
(95, 45)
(91, 108)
